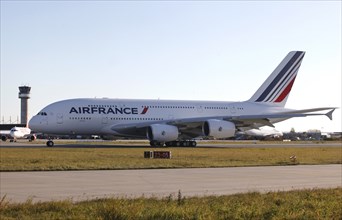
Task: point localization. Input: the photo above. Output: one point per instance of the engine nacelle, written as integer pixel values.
(3, 138)
(218, 128)
(33, 137)
(162, 133)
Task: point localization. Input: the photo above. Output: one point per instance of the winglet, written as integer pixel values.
(329, 114)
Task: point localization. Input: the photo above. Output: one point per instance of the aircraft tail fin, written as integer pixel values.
(276, 89)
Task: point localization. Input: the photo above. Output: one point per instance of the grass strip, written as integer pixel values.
(299, 204)
(106, 158)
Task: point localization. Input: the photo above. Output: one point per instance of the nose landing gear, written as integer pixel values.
(50, 143)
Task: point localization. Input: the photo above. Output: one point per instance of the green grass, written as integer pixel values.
(109, 157)
(301, 204)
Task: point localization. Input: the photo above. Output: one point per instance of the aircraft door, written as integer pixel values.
(104, 120)
(44, 120)
(59, 118)
(199, 108)
(232, 109)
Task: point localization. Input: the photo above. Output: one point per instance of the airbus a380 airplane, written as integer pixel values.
(177, 122)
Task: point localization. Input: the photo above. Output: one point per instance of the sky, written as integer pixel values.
(179, 50)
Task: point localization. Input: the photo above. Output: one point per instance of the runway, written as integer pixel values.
(83, 185)
(145, 144)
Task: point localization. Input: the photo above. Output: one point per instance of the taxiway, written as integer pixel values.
(84, 185)
(144, 144)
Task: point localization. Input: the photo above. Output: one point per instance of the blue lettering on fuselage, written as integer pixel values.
(103, 110)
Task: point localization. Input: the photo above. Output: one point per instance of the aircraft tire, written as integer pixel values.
(193, 143)
(184, 143)
(152, 143)
(50, 143)
(156, 144)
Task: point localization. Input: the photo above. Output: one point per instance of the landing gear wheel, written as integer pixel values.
(193, 143)
(156, 144)
(184, 143)
(50, 143)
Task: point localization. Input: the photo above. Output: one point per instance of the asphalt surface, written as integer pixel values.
(84, 185)
(142, 144)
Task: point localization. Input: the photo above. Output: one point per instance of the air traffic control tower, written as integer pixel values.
(24, 95)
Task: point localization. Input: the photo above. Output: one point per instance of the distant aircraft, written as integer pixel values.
(17, 133)
(177, 122)
(264, 133)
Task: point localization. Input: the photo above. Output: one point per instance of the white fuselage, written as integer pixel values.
(20, 132)
(98, 116)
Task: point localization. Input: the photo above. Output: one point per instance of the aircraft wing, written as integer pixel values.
(192, 127)
(259, 120)
(244, 122)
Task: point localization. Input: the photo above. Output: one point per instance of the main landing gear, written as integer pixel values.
(174, 144)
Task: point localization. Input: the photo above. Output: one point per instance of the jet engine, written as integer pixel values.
(3, 138)
(218, 128)
(162, 133)
(32, 137)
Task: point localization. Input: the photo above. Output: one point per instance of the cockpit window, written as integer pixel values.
(42, 113)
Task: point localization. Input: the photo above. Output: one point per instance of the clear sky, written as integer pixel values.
(187, 50)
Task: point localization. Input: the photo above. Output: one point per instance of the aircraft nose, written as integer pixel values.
(12, 133)
(34, 123)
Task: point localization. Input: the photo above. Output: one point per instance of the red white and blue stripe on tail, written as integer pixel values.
(276, 89)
